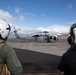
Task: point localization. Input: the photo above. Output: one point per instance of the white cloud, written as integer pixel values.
(70, 6)
(53, 28)
(6, 15)
(70, 23)
(22, 30)
(17, 10)
(30, 14)
(56, 29)
(21, 18)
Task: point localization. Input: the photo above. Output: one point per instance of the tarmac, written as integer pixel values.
(39, 56)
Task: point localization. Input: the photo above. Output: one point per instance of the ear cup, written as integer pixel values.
(70, 40)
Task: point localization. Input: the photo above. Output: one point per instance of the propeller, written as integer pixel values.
(15, 30)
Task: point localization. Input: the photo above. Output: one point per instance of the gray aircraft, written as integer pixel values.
(43, 36)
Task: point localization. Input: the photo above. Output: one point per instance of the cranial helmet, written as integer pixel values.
(4, 29)
(72, 37)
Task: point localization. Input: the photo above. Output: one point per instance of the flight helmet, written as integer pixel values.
(72, 34)
(4, 29)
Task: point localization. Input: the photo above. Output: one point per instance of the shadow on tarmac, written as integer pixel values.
(37, 62)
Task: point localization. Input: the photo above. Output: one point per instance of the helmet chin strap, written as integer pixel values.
(2, 39)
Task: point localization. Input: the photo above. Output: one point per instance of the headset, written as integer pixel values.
(72, 34)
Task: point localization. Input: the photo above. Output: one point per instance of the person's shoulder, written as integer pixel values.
(6, 48)
(66, 54)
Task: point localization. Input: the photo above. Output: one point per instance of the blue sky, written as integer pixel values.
(39, 15)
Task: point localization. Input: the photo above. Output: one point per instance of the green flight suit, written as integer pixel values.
(10, 58)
